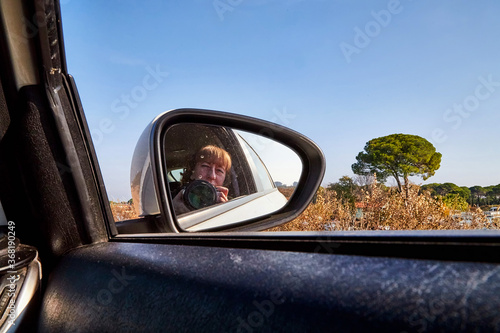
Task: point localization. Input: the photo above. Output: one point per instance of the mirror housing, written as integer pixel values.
(149, 180)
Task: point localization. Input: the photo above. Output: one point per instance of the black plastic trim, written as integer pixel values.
(91, 154)
(477, 246)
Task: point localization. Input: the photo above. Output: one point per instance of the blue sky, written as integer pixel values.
(340, 72)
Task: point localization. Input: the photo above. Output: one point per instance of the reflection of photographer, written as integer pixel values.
(210, 164)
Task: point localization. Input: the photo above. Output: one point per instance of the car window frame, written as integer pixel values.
(474, 245)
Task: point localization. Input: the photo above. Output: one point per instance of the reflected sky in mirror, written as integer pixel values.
(273, 154)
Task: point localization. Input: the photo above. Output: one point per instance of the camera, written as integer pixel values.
(199, 194)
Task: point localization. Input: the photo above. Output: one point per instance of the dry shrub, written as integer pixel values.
(123, 211)
(386, 209)
(286, 191)
(319, 213)
(391, 210)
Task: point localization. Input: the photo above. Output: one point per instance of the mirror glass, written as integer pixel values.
(219, 176)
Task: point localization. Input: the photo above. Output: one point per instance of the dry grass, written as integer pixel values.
(286, 191)
(123, 211)
(385, 209)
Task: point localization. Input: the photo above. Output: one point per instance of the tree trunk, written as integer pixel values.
(406, 188)
(396, 176)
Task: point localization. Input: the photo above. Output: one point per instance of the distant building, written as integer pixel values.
(361, 207)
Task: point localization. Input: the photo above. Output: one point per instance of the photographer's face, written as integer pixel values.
(213, 173)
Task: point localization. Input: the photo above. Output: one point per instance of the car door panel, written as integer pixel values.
(159, 287)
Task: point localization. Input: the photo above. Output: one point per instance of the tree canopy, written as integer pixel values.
(345, 189)
(485, 195)
(399, 156)
(447, 188)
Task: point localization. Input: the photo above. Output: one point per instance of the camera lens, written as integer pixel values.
(200, 194)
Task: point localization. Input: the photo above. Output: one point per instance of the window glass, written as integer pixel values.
(259, 170)
(402, 96)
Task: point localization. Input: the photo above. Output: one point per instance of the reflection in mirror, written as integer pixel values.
(219, 176)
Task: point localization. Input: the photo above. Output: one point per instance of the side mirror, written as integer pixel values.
(200, 170)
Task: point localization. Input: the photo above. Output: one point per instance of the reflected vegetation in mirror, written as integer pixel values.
(219, 176)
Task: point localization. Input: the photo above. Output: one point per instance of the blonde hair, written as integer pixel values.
(210, 154)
